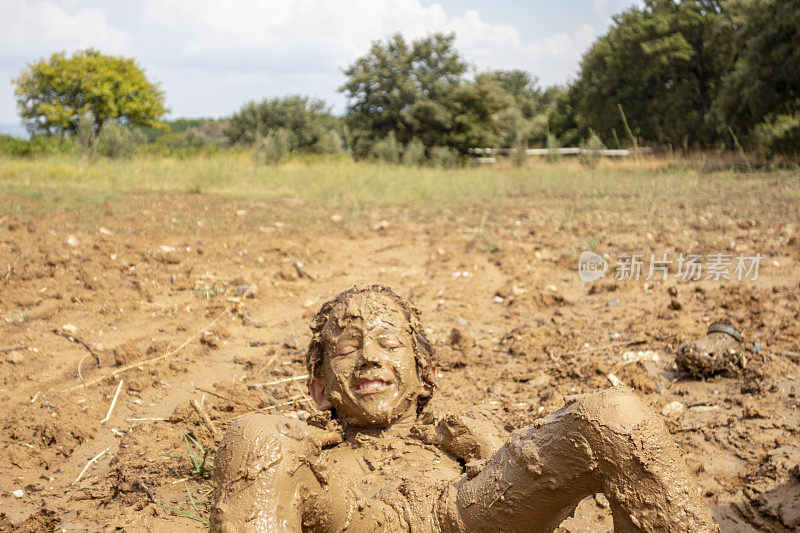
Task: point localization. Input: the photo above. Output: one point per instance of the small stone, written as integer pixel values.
(105, 231)
(498, 299)
(292, 342)
(241, 213)
(675, 305)
(246, 290)
(19, 493)
(612, 302)
(752, 410)
(382, 225)
(71, 240)
(601, 501)
(336, 217)
(69, 328)
(672, 409)
(15, 358)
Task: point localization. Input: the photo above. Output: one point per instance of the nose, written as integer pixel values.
(371, 354)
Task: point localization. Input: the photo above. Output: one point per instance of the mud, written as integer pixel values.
(531, 334)
(714, 353)
(607, 442)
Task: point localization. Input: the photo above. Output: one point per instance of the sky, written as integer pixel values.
(210, 57)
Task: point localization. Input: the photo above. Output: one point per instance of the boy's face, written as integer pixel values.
(368, 371)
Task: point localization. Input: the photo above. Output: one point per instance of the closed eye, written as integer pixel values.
(344, 350)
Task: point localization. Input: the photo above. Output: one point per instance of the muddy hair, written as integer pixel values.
(423, 349)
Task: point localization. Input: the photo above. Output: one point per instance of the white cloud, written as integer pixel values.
(211, 56)
(327, 35)
(599, 6)
(41, 28)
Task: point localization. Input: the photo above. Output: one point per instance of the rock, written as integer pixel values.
(675, 305)
(19, 493)
(288, 272)
(382, 225)
(69, 328)
(753, 410)
(336, 217)
(105, 231)
(498, 299)
(71, 241)
(645, 356)
(15, 358)
(240, 212)
(612, 302)
(672, 409)
(460, 340)
(248, 291)
(292, 342)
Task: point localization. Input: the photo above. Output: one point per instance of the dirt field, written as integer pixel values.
(205, 297)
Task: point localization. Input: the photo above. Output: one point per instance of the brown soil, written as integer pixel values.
(515, 332)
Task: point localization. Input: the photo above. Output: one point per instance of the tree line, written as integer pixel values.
(684, 73)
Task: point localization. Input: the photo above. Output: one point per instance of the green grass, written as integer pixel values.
(70, 183)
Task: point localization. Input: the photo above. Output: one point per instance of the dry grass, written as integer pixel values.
(313, 186)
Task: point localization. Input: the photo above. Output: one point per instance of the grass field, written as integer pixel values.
(310, 188)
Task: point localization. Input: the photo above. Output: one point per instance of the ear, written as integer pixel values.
(318, 389)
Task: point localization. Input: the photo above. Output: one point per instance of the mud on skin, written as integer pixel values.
(394, 472)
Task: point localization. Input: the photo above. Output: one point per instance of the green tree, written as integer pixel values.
(402, 88)
(307, 121)
(52, 94)
(761, 96)
(664, 63)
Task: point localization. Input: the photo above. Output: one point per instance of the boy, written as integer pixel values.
(371, 365)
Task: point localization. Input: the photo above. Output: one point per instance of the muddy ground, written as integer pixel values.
(208, 299)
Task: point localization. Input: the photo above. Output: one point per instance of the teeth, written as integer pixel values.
(369, 385)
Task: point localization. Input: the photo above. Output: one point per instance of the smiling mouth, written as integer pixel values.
(371, 386)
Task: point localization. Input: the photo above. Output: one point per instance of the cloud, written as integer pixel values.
(600, 6)
(38, 29)
(211, 56)
(280, 36)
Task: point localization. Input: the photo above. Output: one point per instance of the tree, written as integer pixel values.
(53, 94)
(404, 89)
(306, 122)
(762, 94)
(664, 64)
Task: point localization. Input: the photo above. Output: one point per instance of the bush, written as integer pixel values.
(590, 149)
(116, 141)
(84, 135)
(778, 135)
(414, 153)
(274, 147)
(329, 143)
(387, 149)
(42, 145)
(520, 156)
(443, 156)
(552, 145)
(189, 138)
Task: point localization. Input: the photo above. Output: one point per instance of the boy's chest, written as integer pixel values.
(377, 466)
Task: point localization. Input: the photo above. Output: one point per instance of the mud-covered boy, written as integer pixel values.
(391, 468)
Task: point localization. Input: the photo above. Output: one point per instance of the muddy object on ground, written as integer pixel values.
(722, 350)
(397, 468)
